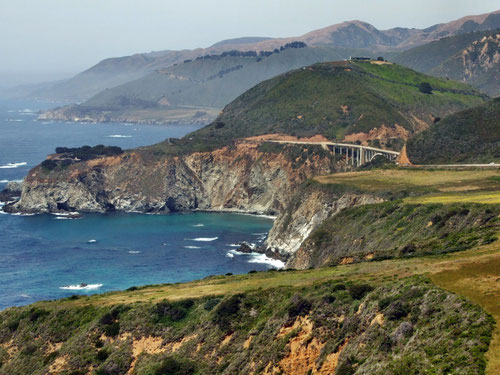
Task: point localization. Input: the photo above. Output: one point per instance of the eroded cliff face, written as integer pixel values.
(239, 178)
(306, 211)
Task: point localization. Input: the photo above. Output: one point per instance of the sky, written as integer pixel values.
(51, 39)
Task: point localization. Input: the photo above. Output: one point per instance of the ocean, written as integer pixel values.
(48, 256)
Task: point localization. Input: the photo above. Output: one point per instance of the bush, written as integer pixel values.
(226, 310)
(172, 366)
(102, 355)
(211, 303)
(358, 291)
(397, 310)
(425, 87)
(112, 330)
(298, 306)
(173, 311)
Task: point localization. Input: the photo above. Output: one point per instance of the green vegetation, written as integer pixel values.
(469, 136)
(332, 99)
(436, 330)
(69, 156)
(396, 229)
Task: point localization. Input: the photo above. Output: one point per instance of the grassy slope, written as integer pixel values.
(469, 136)
(309, 101)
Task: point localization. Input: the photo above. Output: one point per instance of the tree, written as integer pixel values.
(425, 87)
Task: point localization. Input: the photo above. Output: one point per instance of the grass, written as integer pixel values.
(474, 274)
(430, 186)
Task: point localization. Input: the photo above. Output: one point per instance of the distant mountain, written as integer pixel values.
(473, 58)
(469, 136)
(353, 34)
(205, 83)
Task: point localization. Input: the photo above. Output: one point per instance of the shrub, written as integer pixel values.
(298, 306)
(173, 366)
(102, 355)
(173, 311)
(112, 329)
(358, 291)
(211, 303)
(425, 87)
(226, 310)
(397, 310)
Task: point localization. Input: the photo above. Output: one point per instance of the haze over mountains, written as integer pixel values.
(352, 34)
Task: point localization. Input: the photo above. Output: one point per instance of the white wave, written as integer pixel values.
(165, 244)
(13, 165)
(134, 252)
(91, 241)
(81, 286)
(257, 258)
(192, 247)
(66, 215)
(119, 136)
(26, 110)
(25, 295)
(234, 245)
(198, 225)
(15, 120)
(204, 239)
(22, 214)
(235, 252)
(7, 181)
(262, 258)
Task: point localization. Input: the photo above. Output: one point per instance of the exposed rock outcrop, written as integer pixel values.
(306, 211)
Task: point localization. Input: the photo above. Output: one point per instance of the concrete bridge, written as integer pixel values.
(355, 155)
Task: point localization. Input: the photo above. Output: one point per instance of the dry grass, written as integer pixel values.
(436, 179)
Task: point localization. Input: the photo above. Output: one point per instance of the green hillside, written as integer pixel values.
(467, 57)
(470, 136)
(335, 99)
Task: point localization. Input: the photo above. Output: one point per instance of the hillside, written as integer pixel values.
(197, 82)
(473, 58)
(366, 315)
(369, 102)
(351, 34)
(333, 326)
(469, 136)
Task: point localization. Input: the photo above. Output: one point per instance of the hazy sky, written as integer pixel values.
(61, 37)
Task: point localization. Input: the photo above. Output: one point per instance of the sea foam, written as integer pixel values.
(204, 239)
(81, 287)
(119, 136)
(12, 165)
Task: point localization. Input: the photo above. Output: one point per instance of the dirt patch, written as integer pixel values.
(331, 362)
(149, 345)
(379, 319)
(284, 137)
(247, 342)
(382, 133)
(369, 256)
(347, 260)
(226, 340)
(59, 364)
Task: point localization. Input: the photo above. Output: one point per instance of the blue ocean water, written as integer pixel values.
(47, 256)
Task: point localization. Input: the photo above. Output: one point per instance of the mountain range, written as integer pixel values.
(352, 34)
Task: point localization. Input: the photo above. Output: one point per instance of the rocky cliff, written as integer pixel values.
(236, 178)
(306, 211)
